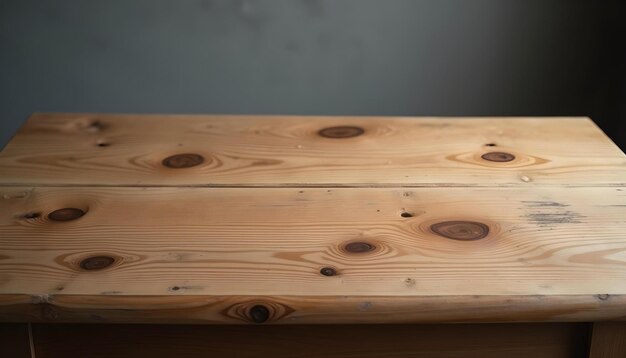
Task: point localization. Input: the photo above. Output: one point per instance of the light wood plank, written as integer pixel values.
(544, 246)
(63, 149)
(275, 241)
(315, 309)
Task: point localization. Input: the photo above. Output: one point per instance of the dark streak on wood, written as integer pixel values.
(546, 203)
(566, 217)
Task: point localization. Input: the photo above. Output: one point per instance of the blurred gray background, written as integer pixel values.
(358, 57)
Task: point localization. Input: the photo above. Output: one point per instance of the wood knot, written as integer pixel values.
(96, 263)
(328, 271)
(341, 132)
(359, 247)
(66, 214)
(185, 160)
(498, 157)
(461, 230)
(259, 313)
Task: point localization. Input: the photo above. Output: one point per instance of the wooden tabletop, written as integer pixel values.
(286, 219)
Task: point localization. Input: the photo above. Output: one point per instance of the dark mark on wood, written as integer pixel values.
(66, 214)
(359, 247)
(96, 263)
(108, 293)
(434, 125)
(328, 271)
(406, 214)
(498, 157)
(31, 215)
(546, 219)
(539, 203)
(259, 313)
(603, 296)
(102, 143)
(341, 132)
(185, 160)
(461, 230)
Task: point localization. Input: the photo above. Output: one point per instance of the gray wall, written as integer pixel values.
(439, 57)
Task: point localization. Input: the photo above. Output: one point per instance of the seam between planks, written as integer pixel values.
(321, 186)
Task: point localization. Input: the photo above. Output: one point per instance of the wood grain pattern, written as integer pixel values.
(133, 150)
(608, 340)
(302, 309)
(345, 341)
(239, 247)
(272, 220)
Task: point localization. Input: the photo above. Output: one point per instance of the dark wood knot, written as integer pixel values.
(96, 263)
(259, 313)
(341, 132)
(66, 214)
(328, 271)
(185, 160)
(498, 157)
(461, 230)
(359, 247)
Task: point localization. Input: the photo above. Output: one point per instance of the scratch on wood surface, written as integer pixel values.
(545, 213)
(542, 203)
(548, 219)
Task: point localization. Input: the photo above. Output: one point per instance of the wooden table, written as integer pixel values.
(296, 236)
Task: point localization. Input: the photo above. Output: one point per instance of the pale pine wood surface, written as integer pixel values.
(244, 241)
(281, 225)
(281, 150)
